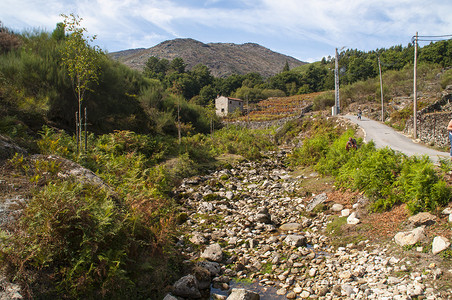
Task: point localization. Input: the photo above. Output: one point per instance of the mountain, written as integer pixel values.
(223, 59)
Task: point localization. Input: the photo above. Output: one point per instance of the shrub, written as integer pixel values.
(420, 186)
(372, 172)
(311, 151)
(75, 236)
(337, 155)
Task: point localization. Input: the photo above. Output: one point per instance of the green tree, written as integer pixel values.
(58, 33)
(80, 60)
(286, 67)
(177, 65)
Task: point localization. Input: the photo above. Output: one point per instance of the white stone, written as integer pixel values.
(440, 244)
(409, 237)
(352, 219)
(305, 294)
(337, 207)
(447, 211)
(345, 212)
(312, 272)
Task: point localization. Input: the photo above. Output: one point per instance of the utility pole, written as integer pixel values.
(86, 132)
(381, 92)
(336, 85)
(415, 89)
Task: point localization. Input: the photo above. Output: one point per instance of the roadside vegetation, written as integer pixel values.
(385, 176)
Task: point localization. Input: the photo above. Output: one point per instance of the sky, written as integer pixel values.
(304, 29)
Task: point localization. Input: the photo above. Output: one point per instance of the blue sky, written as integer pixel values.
(305, 29)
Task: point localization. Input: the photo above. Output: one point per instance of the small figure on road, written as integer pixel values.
(449, 128)
(359, 114)
(351, 144)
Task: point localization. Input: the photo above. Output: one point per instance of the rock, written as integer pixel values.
(312, 272)
(337, 207)
(450, 218)
(295, 240)
(203, 277)
(262, 218)
(198, 239)
(409, 237)
(213, 253)
(345, 212)
(352, 219)
(423, 218)
(305, 294)
(348, 289)
(169, 297)
(229, 195)
(187, 287)
(440, 244)
(242, 294)
(218, 297)
(447, 211)
(281, 291)
(316, 201)
(213, 267)
(8, 148)
(290, 226)
(291, 295)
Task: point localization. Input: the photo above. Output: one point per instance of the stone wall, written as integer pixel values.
(268, 124)
(432, 121)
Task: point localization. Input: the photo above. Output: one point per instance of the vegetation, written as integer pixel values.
(385, 176)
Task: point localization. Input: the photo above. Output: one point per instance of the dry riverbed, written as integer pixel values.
(290, 234)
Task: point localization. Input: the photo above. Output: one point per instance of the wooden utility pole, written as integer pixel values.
(86, 132)
(415, 89)
(381, 92)
(77, 132)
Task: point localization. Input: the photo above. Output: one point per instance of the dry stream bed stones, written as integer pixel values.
(250, 224)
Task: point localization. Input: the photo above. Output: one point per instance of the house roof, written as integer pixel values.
(230, 98)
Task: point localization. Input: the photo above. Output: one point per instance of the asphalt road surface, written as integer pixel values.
(384, 136)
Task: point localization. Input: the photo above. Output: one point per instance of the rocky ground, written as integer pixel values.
(289, 234)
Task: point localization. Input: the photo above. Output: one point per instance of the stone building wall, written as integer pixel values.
(432, 121)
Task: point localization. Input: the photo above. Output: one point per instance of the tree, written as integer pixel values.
(286, 67)
(177, 65)
(81, 62)
(58, 34)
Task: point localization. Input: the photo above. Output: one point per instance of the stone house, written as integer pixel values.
(226, 105)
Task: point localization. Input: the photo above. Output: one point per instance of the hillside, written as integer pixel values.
(223, 59)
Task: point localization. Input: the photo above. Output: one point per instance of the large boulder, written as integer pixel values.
(213, 253)
(242, 294)
(409, 237)
(319, 199)
(423, 218)
(187, 287)
(290, 227)
(295, 240)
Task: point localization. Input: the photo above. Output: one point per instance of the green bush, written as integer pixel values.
(337, 155)
(75, 237)
(374, 172)
(312, 150)
(420, 186)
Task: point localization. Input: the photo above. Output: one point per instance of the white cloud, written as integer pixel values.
(362, 24)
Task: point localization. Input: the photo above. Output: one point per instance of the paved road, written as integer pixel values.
(383, 136)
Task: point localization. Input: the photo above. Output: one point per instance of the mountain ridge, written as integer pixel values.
(223, 59)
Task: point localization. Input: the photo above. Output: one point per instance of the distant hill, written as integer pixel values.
(223, 59)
